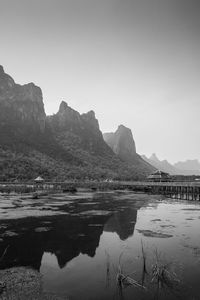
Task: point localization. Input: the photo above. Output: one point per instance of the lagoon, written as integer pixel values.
(79, 242)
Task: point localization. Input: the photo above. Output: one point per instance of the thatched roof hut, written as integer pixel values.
(39, 179)
(159, 176)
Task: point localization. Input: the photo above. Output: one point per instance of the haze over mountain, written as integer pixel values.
(123, 145)
(139, 59)
(189, 167)
(121, 142)
(65, 145)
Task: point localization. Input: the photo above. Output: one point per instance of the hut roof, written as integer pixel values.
(158, 175)
(39, 178)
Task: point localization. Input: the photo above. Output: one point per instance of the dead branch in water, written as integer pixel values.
(4, 253)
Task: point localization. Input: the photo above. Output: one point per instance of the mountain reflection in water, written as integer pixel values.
(78, 249)
(123, 223)
(65, 236)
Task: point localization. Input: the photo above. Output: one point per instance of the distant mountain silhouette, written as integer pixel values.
(163, 165)
(65, 145)
(190, 167)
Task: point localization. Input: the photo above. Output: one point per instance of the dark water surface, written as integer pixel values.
(79, 242)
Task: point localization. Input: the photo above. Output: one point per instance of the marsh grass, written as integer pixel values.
(144, 265)
(163, 275)
(158, 276)
(4, 253)
(2, 284)
(124, 281)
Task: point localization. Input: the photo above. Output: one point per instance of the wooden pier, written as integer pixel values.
(175, 190)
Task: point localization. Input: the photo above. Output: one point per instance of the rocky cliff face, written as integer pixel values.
(121, 142)
(65, 145)
(21, 106)
(123, 145)
(73, 129)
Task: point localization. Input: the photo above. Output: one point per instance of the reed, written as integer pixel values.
(4, 253)
(163, 276)
(144, 265)
(123, 280)
(2, 284)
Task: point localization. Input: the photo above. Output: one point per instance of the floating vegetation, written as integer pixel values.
(155, 234)
(42, 229)
(95, 213)
(167, 226)
(191, 209)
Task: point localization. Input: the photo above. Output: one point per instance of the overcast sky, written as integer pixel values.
(134, 62)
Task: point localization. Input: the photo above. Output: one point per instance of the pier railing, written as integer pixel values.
(177, 190)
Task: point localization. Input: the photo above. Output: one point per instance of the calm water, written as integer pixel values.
(79, 248)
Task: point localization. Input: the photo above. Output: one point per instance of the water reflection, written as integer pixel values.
(123, 223)
(78, 253)
(65, 236)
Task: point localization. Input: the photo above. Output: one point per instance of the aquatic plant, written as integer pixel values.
(2, 284)
(163, 275)
(123, 280)
(144, 266)
(4, 253)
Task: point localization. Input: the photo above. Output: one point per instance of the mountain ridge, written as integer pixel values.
(187, 168)
(61, 146)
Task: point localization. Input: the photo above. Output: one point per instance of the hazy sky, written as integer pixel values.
(134, 62)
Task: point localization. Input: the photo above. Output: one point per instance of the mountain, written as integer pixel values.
(190, 167)
(63, 146)
(121, 142)
(162, 165)
(154, 158)
(21, 107)
(123, 145)
(73, 129)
